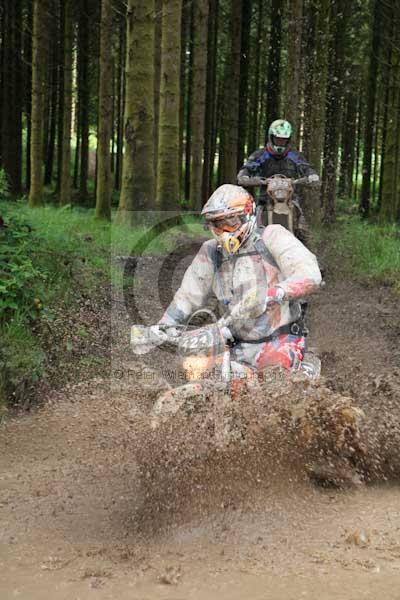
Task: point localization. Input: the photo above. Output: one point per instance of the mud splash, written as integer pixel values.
(220, 453)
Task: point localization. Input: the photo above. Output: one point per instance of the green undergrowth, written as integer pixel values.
(51, 258)
(368, 251)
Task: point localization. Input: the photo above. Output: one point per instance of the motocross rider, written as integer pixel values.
(257, 275)
(278, 157)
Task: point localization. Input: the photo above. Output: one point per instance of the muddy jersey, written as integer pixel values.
(240, 283)
(264, 164)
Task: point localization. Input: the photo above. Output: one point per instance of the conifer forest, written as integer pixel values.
(136, 105)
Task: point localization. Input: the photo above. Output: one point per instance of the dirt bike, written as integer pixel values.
(282, 207)
(206, 354)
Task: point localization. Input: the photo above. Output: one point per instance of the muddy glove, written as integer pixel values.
(247, 181)
(144, 339)
(226, 334)
(313, 180)
(275, 295)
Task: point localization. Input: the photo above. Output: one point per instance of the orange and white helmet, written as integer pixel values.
(230, 214)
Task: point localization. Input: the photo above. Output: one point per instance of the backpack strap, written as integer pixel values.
(216, 256)
(262, 249)
(217, 259)
(259, 244)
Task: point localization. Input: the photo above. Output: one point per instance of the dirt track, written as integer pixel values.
(71, 501)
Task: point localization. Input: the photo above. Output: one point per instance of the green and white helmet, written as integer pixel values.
(279, 129)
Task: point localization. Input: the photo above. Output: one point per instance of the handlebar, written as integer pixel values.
(246, 181)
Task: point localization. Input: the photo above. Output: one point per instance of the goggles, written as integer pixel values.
(226, 224)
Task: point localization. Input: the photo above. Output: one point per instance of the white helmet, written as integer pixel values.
(230, 213)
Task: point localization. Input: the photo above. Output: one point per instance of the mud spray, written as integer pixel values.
(216, 454)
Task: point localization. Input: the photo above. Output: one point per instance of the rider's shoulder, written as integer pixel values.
(259, 155)
(272, 234)
(209, 247)
(274, 230)
(296, 156)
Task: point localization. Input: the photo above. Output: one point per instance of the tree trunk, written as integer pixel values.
(390, 195)
(255, 91)
(244, 81)
(12, 95)
(60, 97)
(168, 185)
(230, 110)
(293, 95)
(358, 147)
(138, 171)
(189, 102)
(28, 29)
(50, 150)
(77, 146)
(183, 85)
(121, 104)
(370, 110)
(274, 65)
(315, 91)
(201, 10)
(349, 130)
(161, 9)
(334, 112)
(386, 87)
(104, 181)
(40, 24)
(65, 188)
(210, 126)
(83, 91)
(375, 176)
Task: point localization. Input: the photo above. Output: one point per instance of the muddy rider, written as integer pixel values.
(258, 275)
(278, 157)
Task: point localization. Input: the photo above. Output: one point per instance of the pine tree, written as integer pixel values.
(334, 111)
(201, 9)
(137, 192)
(244, 80)
(390, 196)
(84, 81)
(211, 101)
(39, 55)
(315, 86)
(274, 65)
(65, 187)
(104, 181)
(168, 183)
(370, 110)
(12, 96)
(292, 105)
(230, 112)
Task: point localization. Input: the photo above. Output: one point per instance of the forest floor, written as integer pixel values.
(74, 512)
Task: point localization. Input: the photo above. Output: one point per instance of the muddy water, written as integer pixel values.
(74, 519)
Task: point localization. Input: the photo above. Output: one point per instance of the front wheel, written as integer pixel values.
(269, 217)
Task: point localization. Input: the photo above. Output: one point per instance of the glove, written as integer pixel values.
(247, 181)
(275, 295)
(144, 339)
(313, 179)
(226, 334)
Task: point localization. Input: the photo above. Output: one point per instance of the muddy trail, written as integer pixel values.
(93, 504)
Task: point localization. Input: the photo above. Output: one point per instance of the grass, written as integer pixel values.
(65, 253)
(370, 251)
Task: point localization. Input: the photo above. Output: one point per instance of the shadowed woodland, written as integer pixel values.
(151, 104)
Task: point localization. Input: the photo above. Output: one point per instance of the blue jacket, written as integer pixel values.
(263, 164)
